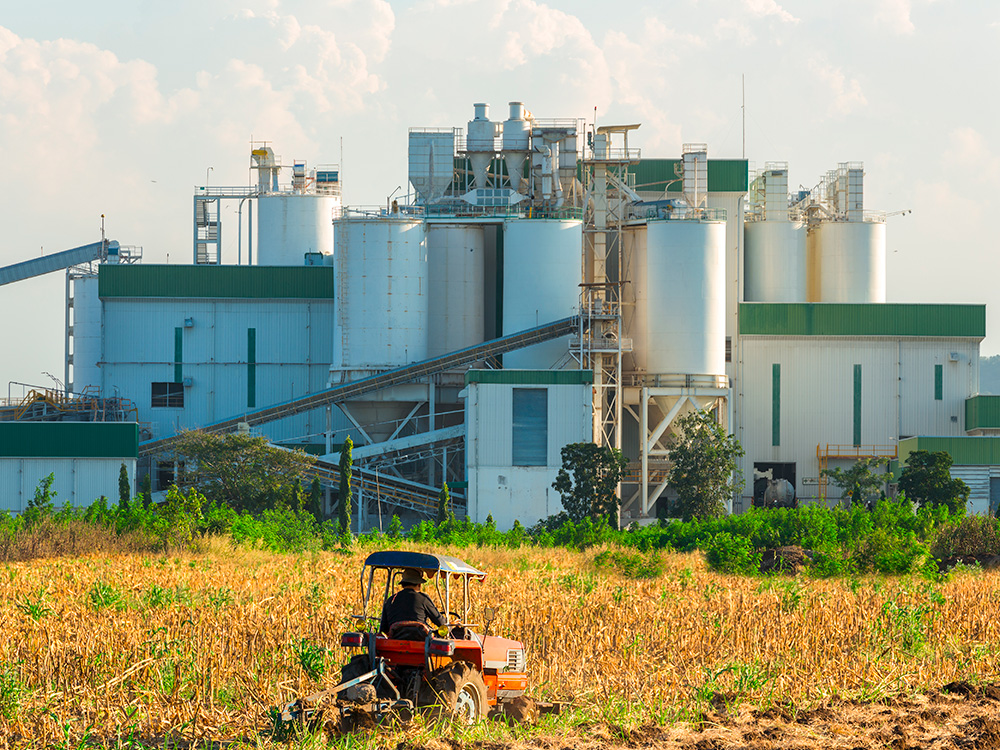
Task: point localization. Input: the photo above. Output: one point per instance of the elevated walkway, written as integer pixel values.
(48, 405)
(55, 262)
(406, 374)
(830, 451)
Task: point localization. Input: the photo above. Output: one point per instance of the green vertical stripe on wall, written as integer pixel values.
(776, 404)
(938, 382)
(251, 367)
(178, 355)
(857, 404)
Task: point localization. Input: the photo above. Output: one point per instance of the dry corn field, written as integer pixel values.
(199, 647)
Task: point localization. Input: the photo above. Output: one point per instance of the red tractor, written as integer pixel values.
(464, 673)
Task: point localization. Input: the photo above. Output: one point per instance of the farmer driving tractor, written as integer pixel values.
(406, 613)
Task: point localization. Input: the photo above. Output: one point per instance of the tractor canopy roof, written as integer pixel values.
(431, 564)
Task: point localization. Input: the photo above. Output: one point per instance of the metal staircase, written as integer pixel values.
(400, 375)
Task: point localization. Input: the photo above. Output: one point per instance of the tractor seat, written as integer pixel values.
(408, 630)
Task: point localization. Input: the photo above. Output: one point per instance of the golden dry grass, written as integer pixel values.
(208, 659)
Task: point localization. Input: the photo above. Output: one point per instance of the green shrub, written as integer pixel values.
(727, 553)
(630, 564)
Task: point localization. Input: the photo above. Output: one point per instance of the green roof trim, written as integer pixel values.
(69, 440)
(531, 377)
(216, 282)
(724, 175)
(982, 412)
(815, 319)
(964, 451)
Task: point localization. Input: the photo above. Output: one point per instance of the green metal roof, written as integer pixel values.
(812, 319)
(531, 377)
(982, 412)
(964, 451)
(69, 439)
(724, 175)
(213, 282)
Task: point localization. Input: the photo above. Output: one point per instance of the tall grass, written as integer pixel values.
(202, 645)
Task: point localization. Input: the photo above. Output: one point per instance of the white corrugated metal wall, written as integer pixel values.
(294, 348)
(510, 492)
(817, 395)
(77, 481)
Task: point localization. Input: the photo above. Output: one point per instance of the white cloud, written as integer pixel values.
(845, 93)
(769, 8)
(730, 28)
(895, 16)
(969, 150)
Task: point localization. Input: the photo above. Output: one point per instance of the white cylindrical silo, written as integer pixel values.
(289, 225)
(456, 262)
(849, 261)
(679, 276)
(775, 262)
(541, 284)
(382, 292)
(87, 325)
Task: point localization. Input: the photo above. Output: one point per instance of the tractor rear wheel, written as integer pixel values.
(459, 689)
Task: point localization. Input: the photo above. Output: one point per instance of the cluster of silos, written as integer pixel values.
(828, 250)
(676, 320)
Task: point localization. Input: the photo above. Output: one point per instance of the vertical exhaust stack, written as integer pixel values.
(516, 143)
(480, 143)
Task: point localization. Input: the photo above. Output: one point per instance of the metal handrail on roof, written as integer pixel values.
(398, 376)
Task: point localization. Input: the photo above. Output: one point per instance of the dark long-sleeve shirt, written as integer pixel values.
(409, 605)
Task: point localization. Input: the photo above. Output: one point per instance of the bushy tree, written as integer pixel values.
(588, 481)
(705, 466)
(124, 490)
(926, 480)
(42, 504)
(242, 471)
(862, 480)
(344, 492)
(444, 504)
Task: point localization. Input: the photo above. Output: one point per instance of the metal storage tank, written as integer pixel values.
(86, 333)
(679, 276)
(848, 261)
(382, 292)
(775, 262)
(456, 261)
(382, 295)
(542, 272)
(289, 225)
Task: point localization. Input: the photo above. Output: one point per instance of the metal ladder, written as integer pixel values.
(400, 375)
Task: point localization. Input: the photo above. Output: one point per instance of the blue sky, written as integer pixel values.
(121, 111)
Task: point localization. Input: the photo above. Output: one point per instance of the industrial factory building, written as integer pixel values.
(542, 283)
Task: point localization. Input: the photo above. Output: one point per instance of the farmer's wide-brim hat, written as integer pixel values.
(413, 577)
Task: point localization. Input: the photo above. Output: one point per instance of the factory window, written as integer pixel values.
(167, 396)
(938, 382)
(729, 348)
(531, 427)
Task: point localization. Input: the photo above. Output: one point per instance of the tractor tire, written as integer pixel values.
(459, 691)
(357, 666)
